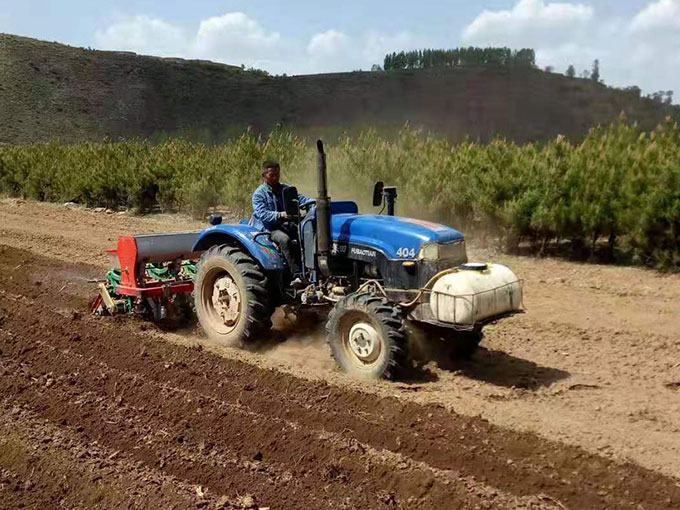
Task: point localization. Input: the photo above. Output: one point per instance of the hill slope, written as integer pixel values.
(49, 90)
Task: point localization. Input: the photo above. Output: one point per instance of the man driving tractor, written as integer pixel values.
(269, 212)
(391, 271)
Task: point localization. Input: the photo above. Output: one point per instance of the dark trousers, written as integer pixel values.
(283, 236)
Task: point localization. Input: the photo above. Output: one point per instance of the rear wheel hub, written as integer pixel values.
(226, 300)
(364, 342)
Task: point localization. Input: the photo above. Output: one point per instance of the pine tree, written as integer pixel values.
(595, 74)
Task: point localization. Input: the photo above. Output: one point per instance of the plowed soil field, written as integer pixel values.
(575, 404)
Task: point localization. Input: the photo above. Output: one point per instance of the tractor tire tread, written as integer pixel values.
(254, 282)
(391, 321)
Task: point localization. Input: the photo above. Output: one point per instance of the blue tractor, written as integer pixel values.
(375, 272)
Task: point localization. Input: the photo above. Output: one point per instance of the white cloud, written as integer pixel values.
(234, 37)
(336, 51)
(527, 20)
(650, 45)
(664, 14)
(642, 50)
(561, 56)
(145, 35)
(328, 44)
(376, 45)
(559, 32)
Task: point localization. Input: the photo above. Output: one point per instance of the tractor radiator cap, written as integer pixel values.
(475, 266)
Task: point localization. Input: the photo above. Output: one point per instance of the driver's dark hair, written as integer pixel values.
(270, 163)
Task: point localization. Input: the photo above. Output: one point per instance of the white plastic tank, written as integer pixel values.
(475, 292)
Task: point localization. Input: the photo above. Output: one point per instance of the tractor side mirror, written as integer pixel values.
(378, 194)
(291, 203)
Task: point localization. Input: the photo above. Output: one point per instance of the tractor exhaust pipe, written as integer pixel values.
(323, 212)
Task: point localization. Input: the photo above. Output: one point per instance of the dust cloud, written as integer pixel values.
(299, 338)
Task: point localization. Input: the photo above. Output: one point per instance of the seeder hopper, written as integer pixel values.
(150, 275)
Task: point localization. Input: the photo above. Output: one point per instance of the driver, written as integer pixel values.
(269, 213)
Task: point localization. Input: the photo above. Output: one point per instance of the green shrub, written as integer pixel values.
(620, 184)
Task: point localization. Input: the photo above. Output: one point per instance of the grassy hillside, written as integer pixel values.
(52, 91)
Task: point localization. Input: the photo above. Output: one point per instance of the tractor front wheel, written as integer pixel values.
(230, 297)
(367, 337)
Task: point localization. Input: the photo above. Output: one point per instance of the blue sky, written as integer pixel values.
(636, 41)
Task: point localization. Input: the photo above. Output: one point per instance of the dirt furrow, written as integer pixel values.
(375, 459)
(593, 364)
(209, 435)
(44, 464)
(429, 434)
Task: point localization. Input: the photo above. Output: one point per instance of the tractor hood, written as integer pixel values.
(394, 236)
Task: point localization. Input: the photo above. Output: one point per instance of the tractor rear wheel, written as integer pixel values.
(230, 297)
(367, 337)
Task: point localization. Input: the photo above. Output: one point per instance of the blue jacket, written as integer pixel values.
(266, 215)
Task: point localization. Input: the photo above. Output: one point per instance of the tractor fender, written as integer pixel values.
(260, 248)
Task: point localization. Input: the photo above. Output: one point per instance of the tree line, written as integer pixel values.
(457, 57)
(492, 56)
(615, 193)
(663, 97)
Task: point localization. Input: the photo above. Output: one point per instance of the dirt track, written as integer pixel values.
(112, 413)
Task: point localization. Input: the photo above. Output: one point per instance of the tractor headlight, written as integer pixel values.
(453, 253)
(429, 252)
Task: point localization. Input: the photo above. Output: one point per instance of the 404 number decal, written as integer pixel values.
(406, 252)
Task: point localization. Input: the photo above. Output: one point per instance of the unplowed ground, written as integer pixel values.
(575, 404)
